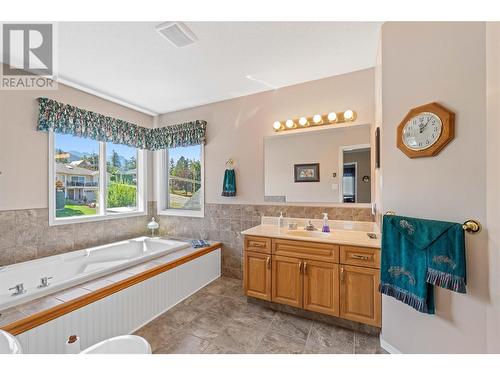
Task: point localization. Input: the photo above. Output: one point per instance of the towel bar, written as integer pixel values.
(471, 226)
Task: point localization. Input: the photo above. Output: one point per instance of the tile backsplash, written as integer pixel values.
(26, 235)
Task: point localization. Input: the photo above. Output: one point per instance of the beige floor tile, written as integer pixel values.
(239, 338)
(291, 325)
(325, 338)
(276, 343)
(183, 343)
(367, 344)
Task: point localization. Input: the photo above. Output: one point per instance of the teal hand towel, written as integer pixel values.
(229, 183)
(418, 254)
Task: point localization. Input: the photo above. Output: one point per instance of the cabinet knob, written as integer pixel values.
(341, 273)
(305, 267)
(268, 262)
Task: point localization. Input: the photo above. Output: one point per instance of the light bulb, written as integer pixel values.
(277, 125)
(303, 121)
(317, 119)
(348, 115)
(289, 124)
(332, 117)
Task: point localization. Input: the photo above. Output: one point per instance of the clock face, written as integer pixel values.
(422, 131)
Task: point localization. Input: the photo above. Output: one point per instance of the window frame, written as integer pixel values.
(102, 213)
(162, 179)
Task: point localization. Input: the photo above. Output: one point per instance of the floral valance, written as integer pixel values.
(67, 119)
(180, 135)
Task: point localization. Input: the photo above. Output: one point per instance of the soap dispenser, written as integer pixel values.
(281, 220)
(326, 227)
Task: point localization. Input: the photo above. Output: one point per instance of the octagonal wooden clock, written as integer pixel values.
(426, 130)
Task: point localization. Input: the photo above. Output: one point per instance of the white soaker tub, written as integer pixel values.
(79, 266)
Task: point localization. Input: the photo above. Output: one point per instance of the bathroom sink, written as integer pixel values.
(9, 344)
(127, 344)
(307, 233)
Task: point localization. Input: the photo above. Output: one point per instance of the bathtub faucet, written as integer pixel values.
(44, 281)
(18, 289)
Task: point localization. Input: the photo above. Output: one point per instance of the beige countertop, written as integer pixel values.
(336, 236)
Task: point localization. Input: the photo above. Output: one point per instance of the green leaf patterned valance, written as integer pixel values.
(68, 119)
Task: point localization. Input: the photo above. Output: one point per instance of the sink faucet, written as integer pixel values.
(18, 289)
(310, 226)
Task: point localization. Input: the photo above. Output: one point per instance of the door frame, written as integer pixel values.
(341, 166)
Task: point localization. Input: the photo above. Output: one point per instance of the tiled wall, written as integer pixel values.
(25, 234)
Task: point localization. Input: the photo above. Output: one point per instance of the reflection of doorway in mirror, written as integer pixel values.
(349, 185)
(356, 174)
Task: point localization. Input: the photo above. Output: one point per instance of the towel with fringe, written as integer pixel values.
(418, 254)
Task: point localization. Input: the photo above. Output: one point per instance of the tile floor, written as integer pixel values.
(217, 319)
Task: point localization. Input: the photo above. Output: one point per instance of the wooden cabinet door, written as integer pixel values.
(287, 280)
(321, 287)
(257, 275)
(359, 296)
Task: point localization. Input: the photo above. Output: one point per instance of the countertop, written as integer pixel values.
(336, 236)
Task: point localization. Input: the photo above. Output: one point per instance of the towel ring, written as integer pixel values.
(230, 163)
(470, 226)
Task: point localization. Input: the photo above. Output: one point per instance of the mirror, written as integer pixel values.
(319, 166)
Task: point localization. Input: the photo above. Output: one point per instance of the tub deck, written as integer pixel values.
(24, 317)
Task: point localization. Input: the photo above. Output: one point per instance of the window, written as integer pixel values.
(121, 178)
(93, 180)
(181, 175)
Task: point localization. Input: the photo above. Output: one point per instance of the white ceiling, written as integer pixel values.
(131, 62)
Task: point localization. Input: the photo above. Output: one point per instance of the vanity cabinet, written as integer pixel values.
(287, 280)
(257, 275)
(321, 277)
(321, 287)
(360, 299)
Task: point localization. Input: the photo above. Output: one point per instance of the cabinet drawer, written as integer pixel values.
(258, 244)
(306, 250)
(360, 256)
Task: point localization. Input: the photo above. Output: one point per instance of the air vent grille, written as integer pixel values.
(177, 33)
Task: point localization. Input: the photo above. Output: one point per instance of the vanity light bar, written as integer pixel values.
(315, 120)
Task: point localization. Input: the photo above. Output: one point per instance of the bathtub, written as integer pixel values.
(72, 268)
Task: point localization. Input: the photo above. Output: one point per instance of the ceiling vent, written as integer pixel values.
(177, 33)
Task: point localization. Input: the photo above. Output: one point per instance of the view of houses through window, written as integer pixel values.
(77, 176)
(77, 185)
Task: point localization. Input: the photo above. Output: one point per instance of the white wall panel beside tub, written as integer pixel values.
(125, 311)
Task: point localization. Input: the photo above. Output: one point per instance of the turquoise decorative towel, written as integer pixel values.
(229, 183)
(418, 254)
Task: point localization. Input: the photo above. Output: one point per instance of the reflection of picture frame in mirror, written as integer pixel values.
(306, 172)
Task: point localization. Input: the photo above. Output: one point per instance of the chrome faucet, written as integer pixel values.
(18, 289)
(44, 281)
(310, 226)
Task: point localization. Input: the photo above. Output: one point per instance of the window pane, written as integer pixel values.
(184, 178)
(121, 178)
(76, 176)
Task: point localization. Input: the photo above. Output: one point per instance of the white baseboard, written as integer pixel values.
(388, 347)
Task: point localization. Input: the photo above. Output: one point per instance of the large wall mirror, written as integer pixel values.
(321, 166)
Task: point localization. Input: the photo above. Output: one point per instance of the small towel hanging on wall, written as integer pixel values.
(229, 183)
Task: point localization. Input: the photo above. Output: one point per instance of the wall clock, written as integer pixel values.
(426, 130)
